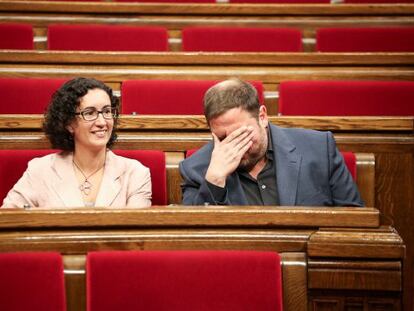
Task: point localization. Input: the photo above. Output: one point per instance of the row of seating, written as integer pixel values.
(185, 97)
(209, 39)
(14, 162)
(252, 1)
(146, 280)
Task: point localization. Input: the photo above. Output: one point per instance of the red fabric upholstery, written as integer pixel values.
(346, 98)
(16, 36)
(168, 96)
(13, 163)
(107, 38)
(176, 1)
(379, 39)
(350, 161)
(155, 161)
(280, 1)
(349, 157)
(184, 280)
(378, 1)
(32, 281)
(26, 95)
(241, 39)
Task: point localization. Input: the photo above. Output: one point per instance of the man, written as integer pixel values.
(252, 162)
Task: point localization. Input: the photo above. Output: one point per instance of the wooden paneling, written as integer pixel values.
(298, 234)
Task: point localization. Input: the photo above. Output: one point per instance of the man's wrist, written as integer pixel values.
(219, 181)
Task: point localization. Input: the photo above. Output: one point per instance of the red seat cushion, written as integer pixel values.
(241, 39)
(32, 281)
(184, 280)
(26, 95)
(155, 161)
(377, 39)
(346, 98)
(107, 38)
(169, 1)
(13, 163)
(168, 96)
(280, 1)
(378, 1)
(16, 36)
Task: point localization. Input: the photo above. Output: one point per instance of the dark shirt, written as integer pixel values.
(262, 191)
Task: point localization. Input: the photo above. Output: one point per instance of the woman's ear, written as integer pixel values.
(70, 129)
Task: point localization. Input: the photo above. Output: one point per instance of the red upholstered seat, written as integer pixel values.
(169, 1)
(168, 96)
(378, 1)
(16, 36)
(13, 163)
(349, 157)
(184, 280)
(241, 39)
(32, 281)
(155, 161)
(376, 39)
(107, 38)
(346, 98)
(27, 95)
(280, 1)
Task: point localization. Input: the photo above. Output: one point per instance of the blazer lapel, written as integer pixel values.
(66, 185)
(111, 184)
(288, 163)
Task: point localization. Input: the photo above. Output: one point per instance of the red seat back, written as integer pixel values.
(184, 280)
(374, 39)
(155, 161)
(241, 39)
(32, 281)
(16, 36)
(107, 38)
(13, 163)
(280, 1)
(26, 95)
(169, 1)
(349, 158)
(168, 96)
(346, 98)
(378, 1)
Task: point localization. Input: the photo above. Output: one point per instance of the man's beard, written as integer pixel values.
(252, 159)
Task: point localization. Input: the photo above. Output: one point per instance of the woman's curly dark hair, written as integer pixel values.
(62, 108)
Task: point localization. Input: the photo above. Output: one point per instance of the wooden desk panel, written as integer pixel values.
(348, 271)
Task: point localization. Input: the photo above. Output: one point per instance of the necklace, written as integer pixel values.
(86, 186)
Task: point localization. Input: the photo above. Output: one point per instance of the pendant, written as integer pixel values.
(86, 187)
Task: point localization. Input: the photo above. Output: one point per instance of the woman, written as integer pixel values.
(81, 121)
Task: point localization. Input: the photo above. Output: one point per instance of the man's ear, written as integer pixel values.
(263, 120)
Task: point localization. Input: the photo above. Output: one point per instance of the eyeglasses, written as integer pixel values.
(91, 114)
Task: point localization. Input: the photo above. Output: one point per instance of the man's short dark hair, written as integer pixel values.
(229, 94)
(62, 108)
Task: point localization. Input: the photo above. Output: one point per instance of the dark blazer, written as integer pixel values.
(310, 171)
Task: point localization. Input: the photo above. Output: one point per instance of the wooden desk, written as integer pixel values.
(332, 257)
(307, 17)
(269, 68)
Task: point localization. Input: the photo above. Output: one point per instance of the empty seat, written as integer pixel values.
(280, 1)
(16, 36)
(167, 96)
(346, 98)
(169, 1)
(13, 163)
(26, 95)
(155, 161)
(183, 280)
(32, 281)
(107, 38)
(241, 39)
(376, 39)
(349, 158)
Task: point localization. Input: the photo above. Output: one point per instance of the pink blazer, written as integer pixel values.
(50, 182)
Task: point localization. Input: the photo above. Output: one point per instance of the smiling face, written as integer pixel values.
(92, 135)
(233, 119)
